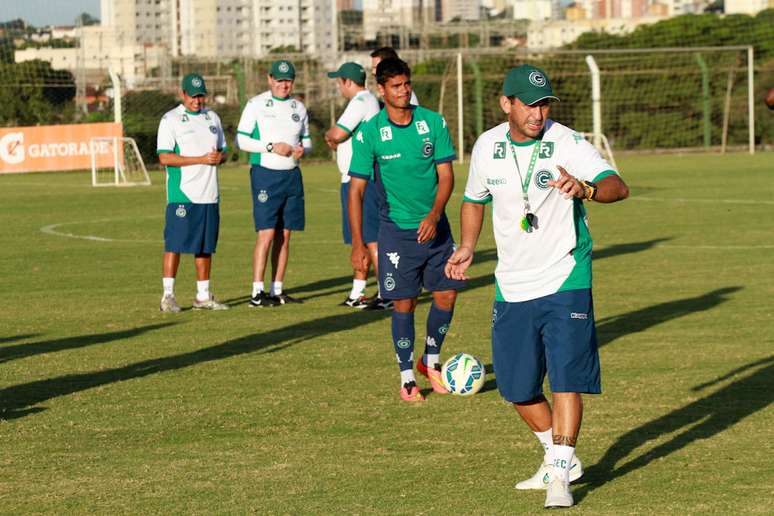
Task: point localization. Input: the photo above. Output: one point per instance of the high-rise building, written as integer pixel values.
(535, 10)
(460, 10)
(396, 15)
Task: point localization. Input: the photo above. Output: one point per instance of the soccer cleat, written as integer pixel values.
(169, 304)
(209, 304)
(558, 494)
(541, 477)
(378, 303)
(434, 375)
(410, 392)
(284, 299)
(359, 303)
(262, 299)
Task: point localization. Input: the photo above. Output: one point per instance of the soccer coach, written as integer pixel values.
(537, 174)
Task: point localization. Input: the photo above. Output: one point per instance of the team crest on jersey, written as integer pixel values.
(537, 79)
(422, 127)
(295, 117)
(542, 177)
(263, 196)
(546, 150)
(180, 211)
(389, 282)
(386, 133)
(293, 104)
(427, 149)
(213, 129)
(499, 150)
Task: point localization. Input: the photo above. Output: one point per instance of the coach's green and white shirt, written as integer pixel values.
(191, 134)
(269, 119)
(556, 256)
(360, 108)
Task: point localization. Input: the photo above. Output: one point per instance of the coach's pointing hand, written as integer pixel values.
(567, 184)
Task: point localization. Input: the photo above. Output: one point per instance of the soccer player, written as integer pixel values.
(274, 129)
(362, 105)
(537, 173)
(191, 144)
(408, 151)
(388, 53)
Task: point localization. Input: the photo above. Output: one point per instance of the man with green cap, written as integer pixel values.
(362, 105)
(537, 173)
(274, 129)
(191, 145)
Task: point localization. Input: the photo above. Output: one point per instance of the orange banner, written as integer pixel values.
(56, 147)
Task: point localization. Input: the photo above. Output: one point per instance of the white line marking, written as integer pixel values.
(704, 201)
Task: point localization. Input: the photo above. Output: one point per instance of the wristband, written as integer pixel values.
(590, 190)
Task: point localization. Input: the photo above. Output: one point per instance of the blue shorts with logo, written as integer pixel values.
(554, 334)
(278, 198)
(406, 266)
(370, 213)
(191, 228)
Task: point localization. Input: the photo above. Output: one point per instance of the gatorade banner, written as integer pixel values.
(55, 147)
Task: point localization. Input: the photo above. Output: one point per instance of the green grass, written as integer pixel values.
(108, 406)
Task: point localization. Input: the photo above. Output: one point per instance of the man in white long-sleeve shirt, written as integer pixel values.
(274, 129)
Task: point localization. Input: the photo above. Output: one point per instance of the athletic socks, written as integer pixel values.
(437, 326)
(203, 290)
(562, 461)
(257, 288)
(546, 440)
(276, 288)
(403, 340)
(358, 287)
(407, 376)
(169, 286)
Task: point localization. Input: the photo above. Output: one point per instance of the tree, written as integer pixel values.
(85, 19)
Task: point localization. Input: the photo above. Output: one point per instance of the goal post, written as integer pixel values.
(116, 161)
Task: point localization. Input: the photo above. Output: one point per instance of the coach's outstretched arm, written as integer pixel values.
(471, 220)
(609, 189)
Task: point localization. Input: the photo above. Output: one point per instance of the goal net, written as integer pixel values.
(117, 162)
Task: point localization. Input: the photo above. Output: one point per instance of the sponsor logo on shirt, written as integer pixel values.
(390, 156)
(542, 177)
(359, 137)
(422, 127)
(386, 133)
(269, 102)
(496, 181)
(546, 150)
(499, 150)
(578, 315)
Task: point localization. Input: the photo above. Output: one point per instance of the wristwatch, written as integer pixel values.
(269, 147)
(590, 190)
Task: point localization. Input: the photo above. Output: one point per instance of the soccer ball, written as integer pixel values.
(463, 374)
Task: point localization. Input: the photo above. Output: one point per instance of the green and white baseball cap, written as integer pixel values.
(352, 71)
(529, 84)
(283, 70)
(193, 85)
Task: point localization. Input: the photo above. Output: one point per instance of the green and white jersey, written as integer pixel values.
(360, 108)
(406, 156)
(191, 134)
(557, 255)
(269, 119)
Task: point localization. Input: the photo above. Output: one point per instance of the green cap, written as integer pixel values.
(352, 71)
(193, 85)
(283, 70)
(528, 83)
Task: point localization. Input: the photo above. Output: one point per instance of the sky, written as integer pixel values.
(47, 12)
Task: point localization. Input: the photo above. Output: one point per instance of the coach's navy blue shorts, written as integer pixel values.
(191, 228)
(278, 198)
(554, 333)
(405, 266)
(370, 213)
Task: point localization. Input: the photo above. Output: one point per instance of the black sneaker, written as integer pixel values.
(359, 303)
(262, 299)
(378, 303)
(284, 299)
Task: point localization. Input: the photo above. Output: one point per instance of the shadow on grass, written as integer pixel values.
(49, 346)
(634, 247)
(702, 419)
(14, 338)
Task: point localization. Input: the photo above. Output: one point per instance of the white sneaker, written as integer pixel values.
(209, 304)
(541, 477)
(169, 304)
(558, 494)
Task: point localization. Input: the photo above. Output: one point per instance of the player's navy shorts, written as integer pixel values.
(406, 266)
(370, 213)
(554, 333)
(278, 198)
(191, 228)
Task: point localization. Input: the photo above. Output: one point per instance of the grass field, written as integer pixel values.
(108, 406)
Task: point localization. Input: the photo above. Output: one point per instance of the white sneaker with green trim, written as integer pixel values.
(558, 494)
(541, 477)
(209, 304)
(169, 304)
